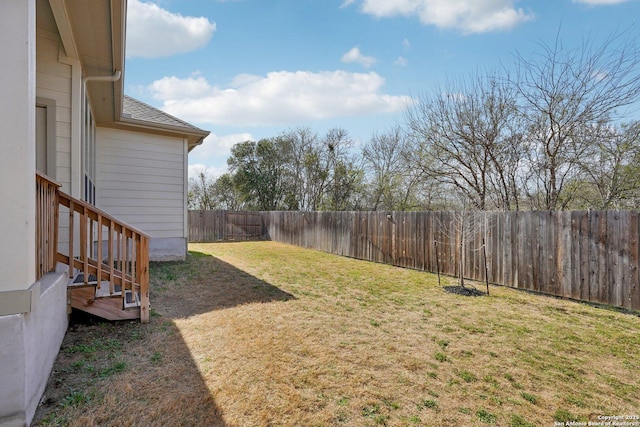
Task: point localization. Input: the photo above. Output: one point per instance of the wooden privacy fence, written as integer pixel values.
(589, 256)
(215, 226)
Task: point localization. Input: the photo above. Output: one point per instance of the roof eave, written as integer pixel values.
(94, 33)
(194, 137)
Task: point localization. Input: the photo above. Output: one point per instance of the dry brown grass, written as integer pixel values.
(256, 334)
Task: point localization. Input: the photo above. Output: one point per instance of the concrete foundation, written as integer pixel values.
(167, 249)
(30, 345)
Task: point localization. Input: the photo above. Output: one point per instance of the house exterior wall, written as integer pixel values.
(141, 179)
(17, 141)
(32, 314)
(55, 82)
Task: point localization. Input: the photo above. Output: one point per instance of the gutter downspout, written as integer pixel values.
(116, 76)
(108, 79)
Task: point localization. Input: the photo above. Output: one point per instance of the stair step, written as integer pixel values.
(108, 308)
(103, 290)
(92, 280)
(131, 299)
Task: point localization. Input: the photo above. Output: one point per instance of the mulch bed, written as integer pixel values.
(464, 291)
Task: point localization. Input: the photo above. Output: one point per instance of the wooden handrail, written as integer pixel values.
(46, 224)
(103, 248)
(108, 251)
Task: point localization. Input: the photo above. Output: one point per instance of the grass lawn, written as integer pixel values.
(261, 333)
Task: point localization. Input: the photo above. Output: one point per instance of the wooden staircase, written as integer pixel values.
(97, 299)
(108, 260)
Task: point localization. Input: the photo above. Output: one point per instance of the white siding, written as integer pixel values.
(54, 82)
(141, 180)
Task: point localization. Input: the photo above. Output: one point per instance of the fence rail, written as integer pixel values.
(591, 256)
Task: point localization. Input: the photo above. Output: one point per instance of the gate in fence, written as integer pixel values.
(218, 226)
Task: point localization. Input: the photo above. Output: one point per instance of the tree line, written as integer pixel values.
(556, 133)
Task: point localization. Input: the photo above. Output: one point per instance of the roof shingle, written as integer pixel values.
(138, 110)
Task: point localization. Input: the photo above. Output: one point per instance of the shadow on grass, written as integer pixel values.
(125, 373)
(204, 283)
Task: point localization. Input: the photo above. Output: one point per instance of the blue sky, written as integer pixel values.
(251, 69)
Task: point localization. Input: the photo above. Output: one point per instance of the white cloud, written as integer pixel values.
(401, 61)
(210, 171)
(154, 32)
(215, 146)
(600, 2)
(215, 150)
(173, 87)
(468, 16)
(355, 56)
(279, 98)
(406, 44)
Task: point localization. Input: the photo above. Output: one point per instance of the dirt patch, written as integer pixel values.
(465, 291)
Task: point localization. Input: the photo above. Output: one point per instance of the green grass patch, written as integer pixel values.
(440, 357)
(529, 397)
(518, 421)
(486, 416)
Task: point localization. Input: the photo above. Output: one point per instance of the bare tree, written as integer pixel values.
(563, 91)
(344, 174)
(390, 183)
(465, 136)
(610, 173)
(466, 228)
(309, 166)
(201, 191)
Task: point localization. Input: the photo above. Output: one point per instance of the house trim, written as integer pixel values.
(185, 193)
(50, 106)
(194, 138)
(61, 15)
(15, 302)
